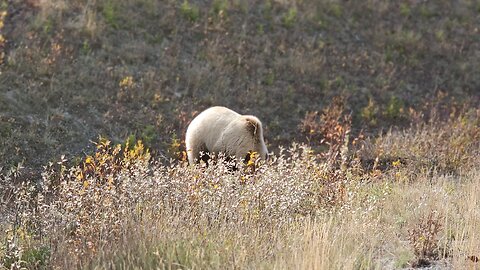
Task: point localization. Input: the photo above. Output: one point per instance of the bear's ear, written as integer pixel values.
(253, 126)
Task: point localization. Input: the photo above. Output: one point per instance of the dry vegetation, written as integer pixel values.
(382, 98)
(120, 209)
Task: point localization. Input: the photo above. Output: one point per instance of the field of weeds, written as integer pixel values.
(416, 204)
(371, 112)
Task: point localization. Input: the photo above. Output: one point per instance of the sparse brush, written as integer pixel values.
(165, 215)
(424, 239)
(95, 201)
(330, 129)
(447, 146)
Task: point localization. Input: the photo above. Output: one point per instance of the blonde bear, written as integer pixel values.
(221, 130)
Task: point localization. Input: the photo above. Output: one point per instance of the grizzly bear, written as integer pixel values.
(219, 130)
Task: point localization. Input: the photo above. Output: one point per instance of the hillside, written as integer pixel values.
(371, 111)
(74, 70)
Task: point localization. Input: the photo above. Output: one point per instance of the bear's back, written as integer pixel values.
(210, 123)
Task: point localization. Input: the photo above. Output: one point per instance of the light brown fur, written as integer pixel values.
(221, 130)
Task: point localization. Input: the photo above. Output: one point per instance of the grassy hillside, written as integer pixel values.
(371, 108)
(74, 70)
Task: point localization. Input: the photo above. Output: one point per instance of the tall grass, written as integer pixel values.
(119, 209)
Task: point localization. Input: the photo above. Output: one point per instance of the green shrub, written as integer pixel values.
(369, 112)
(110, 13)
(148, 135)
(290, 17)
(37, 257)
(220, 6)
(405, 9)
(395, 108)
(336, 9)
(190, 11)
(270, 78)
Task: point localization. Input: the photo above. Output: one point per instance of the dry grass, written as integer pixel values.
(297, 211)
(445, 146)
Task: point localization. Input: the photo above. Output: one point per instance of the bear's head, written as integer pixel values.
(254, 128)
